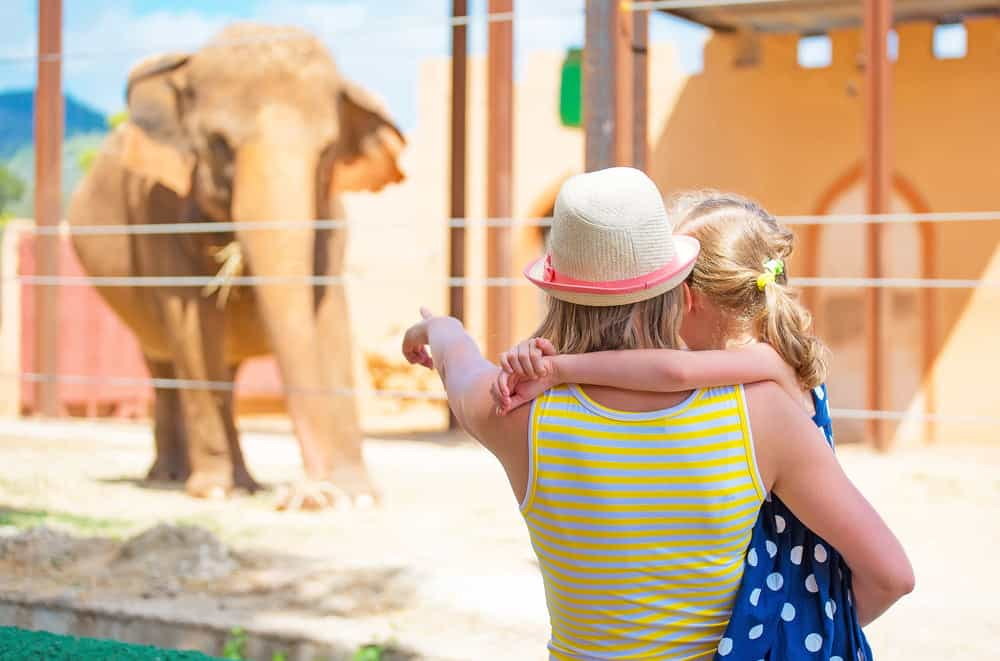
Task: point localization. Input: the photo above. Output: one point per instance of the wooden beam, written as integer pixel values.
(456, 207)
(878, 173)
(499, 168)
(614, 85)
(640, 89)
(599, 88)
(48, 197)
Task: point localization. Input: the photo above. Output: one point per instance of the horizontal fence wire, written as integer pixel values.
(332, 280)
(231, 386)
(65, 229)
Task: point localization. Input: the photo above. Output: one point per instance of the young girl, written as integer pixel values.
(795, 599)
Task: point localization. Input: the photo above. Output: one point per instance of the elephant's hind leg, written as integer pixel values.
(171, 463)
(241, 475)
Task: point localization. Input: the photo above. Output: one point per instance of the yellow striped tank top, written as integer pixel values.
(640, 522)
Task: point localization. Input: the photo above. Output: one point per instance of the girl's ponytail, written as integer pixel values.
(785, 324)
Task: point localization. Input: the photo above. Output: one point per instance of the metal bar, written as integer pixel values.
(232, 386)
(456, 234)
(878, 169)
(624, 103)
(499, 168)
(459, 51)
(217, 228)
(928, 327)
(48, 198)
(498, 281)
(599, 89)
(640, 89)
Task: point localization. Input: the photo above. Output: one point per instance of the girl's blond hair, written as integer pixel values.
(651, 324)
(737, 237)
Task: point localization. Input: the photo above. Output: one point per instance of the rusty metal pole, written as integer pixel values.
(640, 88)
(48, 198)
(499, 171)
(613, 97)
(599, 89)
(456, 235)
(878, 172)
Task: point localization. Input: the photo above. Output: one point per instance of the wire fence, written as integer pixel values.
(260, 280)
(423, 395)
(65, 229)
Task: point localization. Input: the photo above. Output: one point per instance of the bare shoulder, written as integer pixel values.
(776, 421)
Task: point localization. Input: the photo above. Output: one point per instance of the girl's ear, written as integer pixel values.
(688, 299)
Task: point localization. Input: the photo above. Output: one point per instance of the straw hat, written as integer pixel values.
(611, 242)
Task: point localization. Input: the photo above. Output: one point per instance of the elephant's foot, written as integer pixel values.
(168, 469)
(243, 481)
(346, 487)
(209, 485)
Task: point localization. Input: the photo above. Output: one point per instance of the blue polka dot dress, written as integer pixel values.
(795, 598)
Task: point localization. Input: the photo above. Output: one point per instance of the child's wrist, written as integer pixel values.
(557, 369)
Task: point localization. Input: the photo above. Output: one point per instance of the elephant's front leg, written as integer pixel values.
(171, 462)
(194, 326)
(346, 467)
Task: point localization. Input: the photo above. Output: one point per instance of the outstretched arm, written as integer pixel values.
(467, 377)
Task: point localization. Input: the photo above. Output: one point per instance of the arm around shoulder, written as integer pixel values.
(803, 471)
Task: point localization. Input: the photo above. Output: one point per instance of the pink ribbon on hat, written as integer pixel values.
(561, 281)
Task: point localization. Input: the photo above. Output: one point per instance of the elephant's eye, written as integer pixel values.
(221, 157)
(219, 149)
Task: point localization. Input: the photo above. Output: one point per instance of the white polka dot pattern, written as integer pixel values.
(820, 553)
(775, 581)
(814, 642)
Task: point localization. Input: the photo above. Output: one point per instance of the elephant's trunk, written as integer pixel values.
(276, 180)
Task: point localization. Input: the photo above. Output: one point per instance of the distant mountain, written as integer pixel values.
(17, 120)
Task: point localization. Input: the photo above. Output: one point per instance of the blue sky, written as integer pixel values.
(379, 43)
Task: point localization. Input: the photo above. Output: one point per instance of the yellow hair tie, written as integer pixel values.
(772, 269)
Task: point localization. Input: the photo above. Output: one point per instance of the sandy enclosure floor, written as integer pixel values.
(444, 566)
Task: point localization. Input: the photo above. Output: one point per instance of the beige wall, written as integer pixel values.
(788, 136)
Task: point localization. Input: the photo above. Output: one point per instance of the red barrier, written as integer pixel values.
(93, 342)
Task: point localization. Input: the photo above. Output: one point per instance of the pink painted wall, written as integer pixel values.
(93, 342)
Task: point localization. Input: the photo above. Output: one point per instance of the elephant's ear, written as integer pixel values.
(155, 142)
(369, 145)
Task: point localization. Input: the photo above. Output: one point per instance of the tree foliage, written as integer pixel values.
(11, 190)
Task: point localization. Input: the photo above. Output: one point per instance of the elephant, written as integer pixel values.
(257, 125)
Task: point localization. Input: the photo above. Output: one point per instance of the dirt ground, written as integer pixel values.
(443, 567)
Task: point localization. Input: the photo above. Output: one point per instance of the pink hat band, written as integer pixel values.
(552, 279)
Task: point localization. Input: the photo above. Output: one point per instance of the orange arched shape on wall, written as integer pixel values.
(813, 236)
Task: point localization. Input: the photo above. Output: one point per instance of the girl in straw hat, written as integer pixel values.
(739, 298)
(640, 505)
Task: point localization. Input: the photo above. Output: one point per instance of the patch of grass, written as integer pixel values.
(86, 525)
(371, 652)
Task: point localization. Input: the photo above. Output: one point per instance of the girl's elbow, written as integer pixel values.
(906, 582)
(900, 580)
